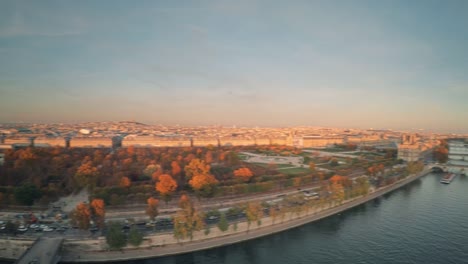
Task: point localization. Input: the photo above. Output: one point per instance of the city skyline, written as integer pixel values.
(361, 64)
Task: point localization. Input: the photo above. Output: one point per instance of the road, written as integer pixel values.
(43, 251)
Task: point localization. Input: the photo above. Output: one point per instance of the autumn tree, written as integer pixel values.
(98, 212)
(441, 152)
(150, 169)
(209, 157)
(152, 208)
(166, 186)
(338, 192)
(196, 167)
(81, 216)
(204, 185)
(187, 220)
(175, 168)
(253, 213)
(201, 181)
(243, 173)
(85, 175)
(125, 182)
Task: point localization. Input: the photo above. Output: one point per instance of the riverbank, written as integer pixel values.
(95, 250)
(165, 245)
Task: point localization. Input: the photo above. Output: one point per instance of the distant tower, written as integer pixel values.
(116, 142)
(67, 142)
(2, 138)
(31, 141)
(191, 142)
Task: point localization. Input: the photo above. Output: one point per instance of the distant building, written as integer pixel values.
(409, 149)
(458, 152)
(321, 141)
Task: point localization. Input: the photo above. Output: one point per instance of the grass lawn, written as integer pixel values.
(294, 170)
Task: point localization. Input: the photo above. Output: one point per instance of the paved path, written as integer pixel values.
(43, 251)
(175, 249)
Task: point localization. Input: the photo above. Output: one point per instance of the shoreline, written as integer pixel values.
(93, 251)
(229, 239)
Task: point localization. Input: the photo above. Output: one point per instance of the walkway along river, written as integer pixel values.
(168, 246)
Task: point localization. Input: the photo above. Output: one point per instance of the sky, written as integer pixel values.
(358, 64)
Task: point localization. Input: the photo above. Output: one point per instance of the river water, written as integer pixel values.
(423, 222)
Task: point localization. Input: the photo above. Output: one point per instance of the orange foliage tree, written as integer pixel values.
(98, 212)
(81, 216)
(166, 186)
(175, 168)
(125, 182)
(196, 167)
(86, 174)
(152, 208)
(243, 173)
(204, 185)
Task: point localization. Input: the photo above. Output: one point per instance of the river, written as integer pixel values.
(423, 222)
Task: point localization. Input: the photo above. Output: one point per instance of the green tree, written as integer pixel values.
(223, 224)
(115, 238)
(26, 194)
(135, 237)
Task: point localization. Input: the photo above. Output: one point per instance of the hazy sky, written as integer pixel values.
(381, 64)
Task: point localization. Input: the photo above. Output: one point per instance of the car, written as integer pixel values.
(48, 229)
(34, 226)
(22, 228)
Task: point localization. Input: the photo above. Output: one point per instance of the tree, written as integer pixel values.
(81, 216)
(125, 182)
(135, 237)
(166, 186)
(196, 167)
(441, 152)
(363, 185)
(187, 220)
(209, 157)
(26, 194)
(243, 173)
(337, 191)
(86, 175)
(98, 212)
(150, 169)
(253, 213)
(175, 168)
(274, 212)
(152, 208)
(204, 185)
(115, 238)
(414, 167)
(223, 224)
